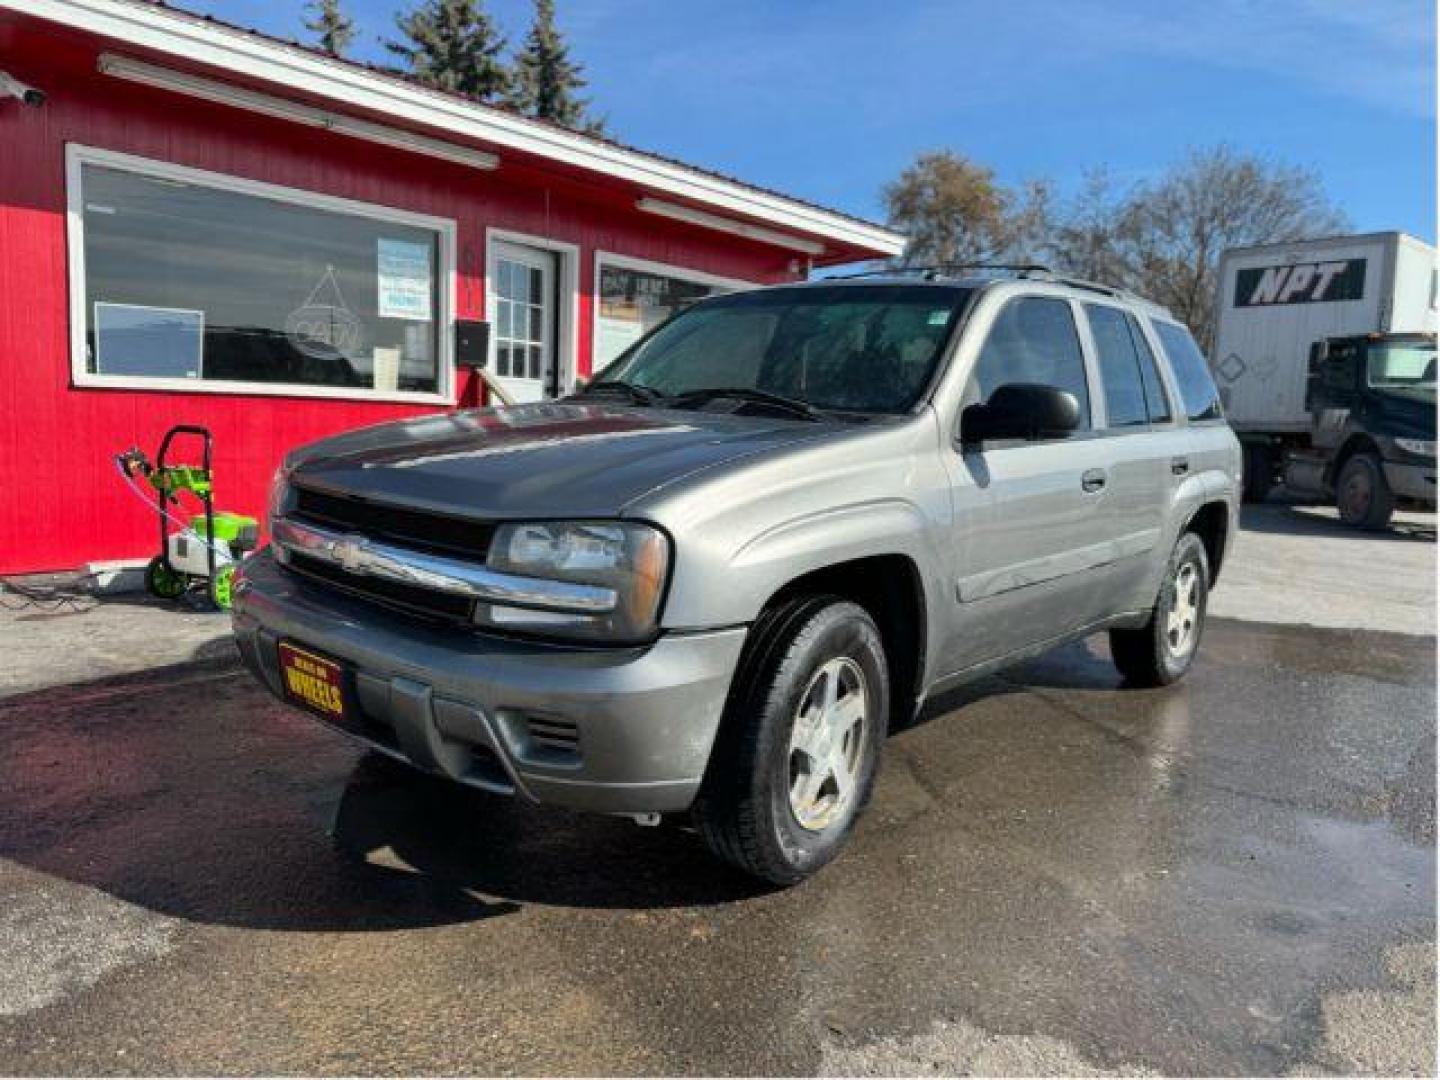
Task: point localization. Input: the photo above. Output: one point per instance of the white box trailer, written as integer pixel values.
(1324, 355)
(1276, 300)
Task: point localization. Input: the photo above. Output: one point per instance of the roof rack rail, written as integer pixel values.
(1019, 271)
(944, 270)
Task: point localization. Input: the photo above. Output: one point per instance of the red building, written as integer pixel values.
(200, 224)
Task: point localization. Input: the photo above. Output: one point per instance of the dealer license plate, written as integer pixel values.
(313, 681)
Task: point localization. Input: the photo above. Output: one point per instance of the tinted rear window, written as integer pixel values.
(1197, 389)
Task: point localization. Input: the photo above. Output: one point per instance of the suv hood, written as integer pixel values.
(554, 459)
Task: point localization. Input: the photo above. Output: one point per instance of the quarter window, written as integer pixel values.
(1119, 367)
(1192, 375)
(1157, 402)
(190, 278)
(1033, 341)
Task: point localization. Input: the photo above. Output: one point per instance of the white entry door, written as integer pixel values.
(522, 313)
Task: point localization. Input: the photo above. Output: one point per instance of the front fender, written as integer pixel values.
(742, 537)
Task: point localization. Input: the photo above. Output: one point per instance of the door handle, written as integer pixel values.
(1179, 466)
(1093, 480)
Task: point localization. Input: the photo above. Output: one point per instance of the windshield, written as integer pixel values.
(849, 348)
(1409, 364)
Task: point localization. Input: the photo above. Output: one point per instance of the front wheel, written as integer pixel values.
(1161, 651)
(1362, 496)
(799, 747)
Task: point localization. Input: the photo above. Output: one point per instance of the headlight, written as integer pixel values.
(1418, 447)
(628, 557)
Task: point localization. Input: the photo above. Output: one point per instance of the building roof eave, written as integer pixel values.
(192, 40)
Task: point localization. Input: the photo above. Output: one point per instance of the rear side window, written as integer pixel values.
(1192, 375)
(1157, 402)
(1033, 341)
(1120, 373)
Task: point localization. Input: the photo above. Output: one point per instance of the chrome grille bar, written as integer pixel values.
(371, 558)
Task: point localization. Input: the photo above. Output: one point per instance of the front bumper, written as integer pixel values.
(610, 730)
(1412, 481)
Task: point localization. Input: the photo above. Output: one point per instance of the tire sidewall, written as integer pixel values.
(839, 629)
(1190, 549)
(1377, 511)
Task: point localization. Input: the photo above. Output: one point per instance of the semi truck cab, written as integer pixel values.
(1372, 400)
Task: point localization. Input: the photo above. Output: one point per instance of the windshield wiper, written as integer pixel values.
(636, 392)
(794, 406)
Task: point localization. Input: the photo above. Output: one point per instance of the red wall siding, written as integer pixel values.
(61, 502)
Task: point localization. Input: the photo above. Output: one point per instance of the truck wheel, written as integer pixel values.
(800, 743)
(1362, 496)
(1161, 651)
(1259, 472)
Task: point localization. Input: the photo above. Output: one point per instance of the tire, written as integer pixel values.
(162, 581)
(1259, 472)
(1161, 652)
(1362, 494)
(766, 807)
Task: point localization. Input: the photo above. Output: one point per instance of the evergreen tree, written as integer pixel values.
(333, 29)
(454, 45)
(546, 80)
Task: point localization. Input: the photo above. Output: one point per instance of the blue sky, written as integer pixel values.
(829, 99)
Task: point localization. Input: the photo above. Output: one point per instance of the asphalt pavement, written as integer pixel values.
(1057, 874)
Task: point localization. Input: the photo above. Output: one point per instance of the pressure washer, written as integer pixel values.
(204, 549)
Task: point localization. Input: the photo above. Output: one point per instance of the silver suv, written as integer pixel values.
(713, 579)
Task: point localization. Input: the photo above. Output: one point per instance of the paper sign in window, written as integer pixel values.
(403, 286)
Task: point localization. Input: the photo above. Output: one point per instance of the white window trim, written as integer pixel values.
(78, 156)
(649, 266)
(567, 344)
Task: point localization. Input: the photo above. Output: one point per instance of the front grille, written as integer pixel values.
(410, 599)
(420, 530)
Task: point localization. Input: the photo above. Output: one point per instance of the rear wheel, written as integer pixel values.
(1162, 650)
(1362, 496)
(162, 581)
(800, 743)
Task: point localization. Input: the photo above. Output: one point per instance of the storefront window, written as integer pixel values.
(635, 300)
(186, 280)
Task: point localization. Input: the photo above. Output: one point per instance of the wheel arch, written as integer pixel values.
(890, 588)
(1211, 522)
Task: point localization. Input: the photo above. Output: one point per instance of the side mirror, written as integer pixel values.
(1021, 411)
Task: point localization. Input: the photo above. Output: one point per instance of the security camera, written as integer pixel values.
(13, 87)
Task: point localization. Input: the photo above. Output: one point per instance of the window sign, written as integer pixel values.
(633, 302)
(196, 278)
(404, 287)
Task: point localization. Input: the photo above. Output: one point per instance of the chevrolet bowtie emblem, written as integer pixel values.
(349, 552)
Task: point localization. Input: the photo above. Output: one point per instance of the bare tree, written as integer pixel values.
(1085, 237)
(1169, 234)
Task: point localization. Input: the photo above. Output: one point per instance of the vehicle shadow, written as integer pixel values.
(1282, 519)
(188, 791)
